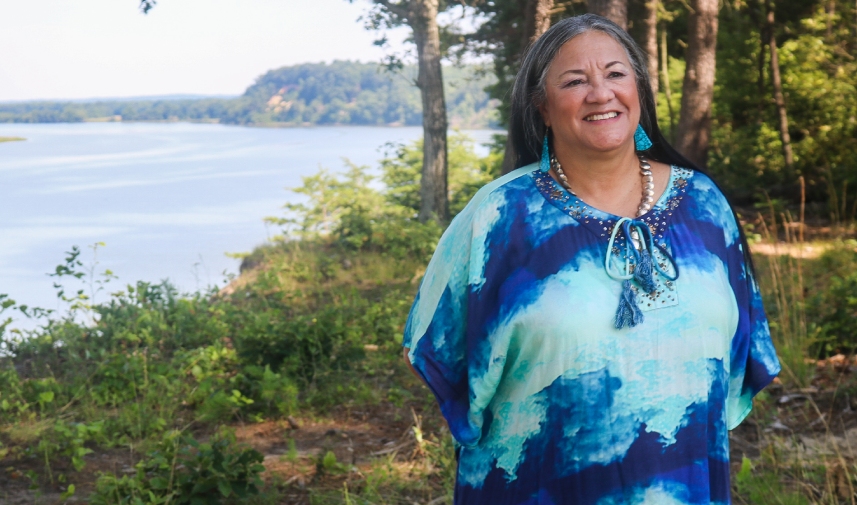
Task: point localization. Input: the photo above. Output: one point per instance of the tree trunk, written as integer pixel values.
(694, 124)
(665, 76)
(614, 10)
(539, 11)
(831, 12)
(760, 69)
(433, 187)
(537, 20)
(650, 42)
(777, 83)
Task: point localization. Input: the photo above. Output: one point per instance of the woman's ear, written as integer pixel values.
(544, 112)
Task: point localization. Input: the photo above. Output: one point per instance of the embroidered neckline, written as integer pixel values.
(602, 223)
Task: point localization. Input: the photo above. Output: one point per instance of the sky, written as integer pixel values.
(75, 49)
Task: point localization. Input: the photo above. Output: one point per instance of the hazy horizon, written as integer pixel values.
(108, 49)
(171, 96)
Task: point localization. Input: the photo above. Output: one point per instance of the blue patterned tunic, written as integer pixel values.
(512, 330)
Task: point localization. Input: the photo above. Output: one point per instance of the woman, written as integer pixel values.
(589, 323)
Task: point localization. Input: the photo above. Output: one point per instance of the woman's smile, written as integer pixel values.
(601, 117)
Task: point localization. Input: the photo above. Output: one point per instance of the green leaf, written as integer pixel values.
(159, 483)
(745, 474)
(224, 487)
(68, 493)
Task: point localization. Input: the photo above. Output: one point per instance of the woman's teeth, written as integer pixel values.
(599, 117)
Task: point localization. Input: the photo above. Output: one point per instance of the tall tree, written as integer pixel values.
(510, 26)
(537, 20)
(614, 10)
(777, 83)
(665, 78)
(421, 17)
(694, 124)
(650, 41)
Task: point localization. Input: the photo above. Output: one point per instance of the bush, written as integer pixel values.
(186, 472)
(832, 301)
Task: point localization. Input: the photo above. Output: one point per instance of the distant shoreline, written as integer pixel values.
(340, 93)
(11, 139)
(263, 125)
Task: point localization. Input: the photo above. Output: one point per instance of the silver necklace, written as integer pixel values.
(646, 201)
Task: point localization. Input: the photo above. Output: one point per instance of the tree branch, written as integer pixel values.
(397, 9)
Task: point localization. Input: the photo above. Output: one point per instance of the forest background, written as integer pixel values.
(287, 386)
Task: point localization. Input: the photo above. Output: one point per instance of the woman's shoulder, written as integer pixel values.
(699, 185)
(705, 201)
(498, 191)
(511, 181)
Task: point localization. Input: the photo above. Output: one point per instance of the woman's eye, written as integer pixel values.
(573, 83)
(616, 74)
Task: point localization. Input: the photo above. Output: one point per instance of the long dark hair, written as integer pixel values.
(526, 125)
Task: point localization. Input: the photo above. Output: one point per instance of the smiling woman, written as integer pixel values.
(589, 323)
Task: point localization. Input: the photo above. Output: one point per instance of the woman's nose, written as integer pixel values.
(599, 92)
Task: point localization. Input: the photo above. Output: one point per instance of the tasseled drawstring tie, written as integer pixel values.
(643, 273)
(628, 313)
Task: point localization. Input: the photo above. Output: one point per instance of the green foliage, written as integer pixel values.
(668, 111)
(12, 402)
(402, 167)
(834, 301)
(328, 464)
(819, 78)
(185, 471)
(764, 487)
(66, 440)
(356, 216)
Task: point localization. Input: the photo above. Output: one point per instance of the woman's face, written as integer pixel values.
(591, 95)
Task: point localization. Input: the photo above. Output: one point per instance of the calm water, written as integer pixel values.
(168, 200)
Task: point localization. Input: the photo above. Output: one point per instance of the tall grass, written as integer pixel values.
(784, 289)
(798, 428)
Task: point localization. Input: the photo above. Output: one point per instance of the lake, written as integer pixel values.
(169, 200)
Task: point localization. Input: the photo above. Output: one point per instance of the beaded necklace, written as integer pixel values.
(646, 201)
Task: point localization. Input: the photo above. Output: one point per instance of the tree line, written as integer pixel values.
(341, 92)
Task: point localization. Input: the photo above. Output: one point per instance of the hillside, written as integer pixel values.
(341, 92)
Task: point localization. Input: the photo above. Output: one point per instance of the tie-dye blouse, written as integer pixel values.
(512, 330)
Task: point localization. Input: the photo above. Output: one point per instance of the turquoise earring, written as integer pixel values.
(545, 162)
(641, 140)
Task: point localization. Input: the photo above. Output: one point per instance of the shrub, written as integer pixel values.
(834, 304)
(186, 472)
